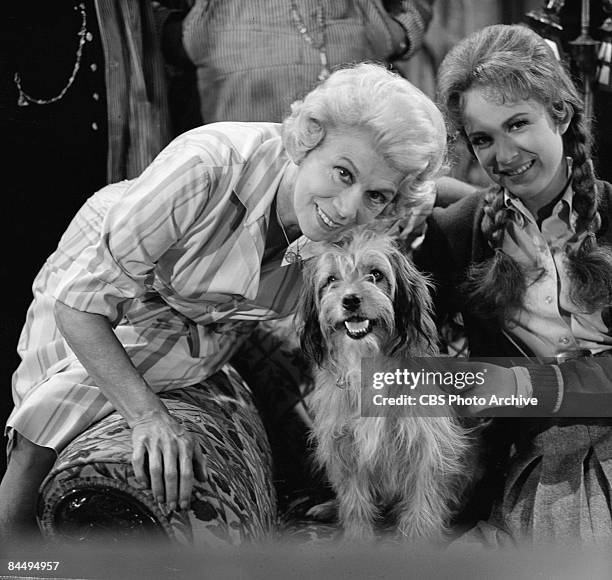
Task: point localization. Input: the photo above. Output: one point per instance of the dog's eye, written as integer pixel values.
(331, 279)
(376, 275)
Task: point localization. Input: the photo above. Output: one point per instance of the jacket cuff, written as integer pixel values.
(414, 16)
(547, 384)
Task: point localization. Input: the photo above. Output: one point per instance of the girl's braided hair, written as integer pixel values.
(513, 63)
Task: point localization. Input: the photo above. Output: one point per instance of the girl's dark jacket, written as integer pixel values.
(454, 240)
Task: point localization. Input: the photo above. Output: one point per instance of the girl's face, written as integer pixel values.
(518, 145)
(342, 183)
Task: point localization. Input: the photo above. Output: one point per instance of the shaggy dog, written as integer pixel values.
(363, 298)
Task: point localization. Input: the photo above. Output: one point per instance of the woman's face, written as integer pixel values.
(341, 183)
(518, 145)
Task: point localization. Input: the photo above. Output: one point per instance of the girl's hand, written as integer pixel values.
(497, 380)
(168, 457)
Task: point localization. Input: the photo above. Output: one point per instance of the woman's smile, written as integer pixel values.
(327, 221)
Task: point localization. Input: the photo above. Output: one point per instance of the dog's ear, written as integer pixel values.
(311, 337)
(413, 306)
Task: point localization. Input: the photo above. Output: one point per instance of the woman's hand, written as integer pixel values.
(162, 446)
(167, 457)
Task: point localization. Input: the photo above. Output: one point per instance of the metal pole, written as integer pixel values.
(584, 52)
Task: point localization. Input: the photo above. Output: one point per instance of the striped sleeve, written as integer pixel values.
(414, 16)
(154, 213)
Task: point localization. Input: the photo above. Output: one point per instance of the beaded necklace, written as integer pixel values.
(292, 257)
(298, 22)
(24, 99)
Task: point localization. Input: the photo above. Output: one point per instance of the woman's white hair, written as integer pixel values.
(406, 127)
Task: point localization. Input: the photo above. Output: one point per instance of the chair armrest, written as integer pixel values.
(92, 491)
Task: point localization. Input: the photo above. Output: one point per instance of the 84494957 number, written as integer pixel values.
(32, 565)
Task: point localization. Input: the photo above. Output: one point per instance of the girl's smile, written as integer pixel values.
(518, 145)
(519, 170)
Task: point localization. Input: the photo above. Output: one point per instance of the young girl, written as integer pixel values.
(526, 263)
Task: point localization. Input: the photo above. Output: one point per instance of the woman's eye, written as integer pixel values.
(376, 275)
(518, 124)
(377, 197)
(344, 174)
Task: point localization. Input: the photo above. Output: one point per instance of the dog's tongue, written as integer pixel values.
(357, 327)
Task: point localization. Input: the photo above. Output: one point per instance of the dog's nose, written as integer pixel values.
(351, 302)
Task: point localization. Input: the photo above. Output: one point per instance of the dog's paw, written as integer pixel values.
(324, 512)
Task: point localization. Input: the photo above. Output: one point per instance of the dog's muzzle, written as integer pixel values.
(356, 326)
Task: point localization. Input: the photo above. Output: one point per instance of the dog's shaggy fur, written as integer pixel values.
(363, 298)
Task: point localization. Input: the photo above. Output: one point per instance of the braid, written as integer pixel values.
(589, 265)
(496, 286)
(577, 146)
(496, 215)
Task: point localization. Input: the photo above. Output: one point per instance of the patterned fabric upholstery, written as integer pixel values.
(257, 450)
(274, 365)
(92, 490)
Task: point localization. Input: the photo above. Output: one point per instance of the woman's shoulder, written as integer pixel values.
(237, 131)
(226, 143)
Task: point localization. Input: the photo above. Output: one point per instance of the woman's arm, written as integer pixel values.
(414, 17)
(143, 234)
(162, 446)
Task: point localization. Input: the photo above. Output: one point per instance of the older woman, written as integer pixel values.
(157, 278)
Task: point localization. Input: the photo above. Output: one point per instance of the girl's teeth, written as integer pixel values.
(520, 170)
